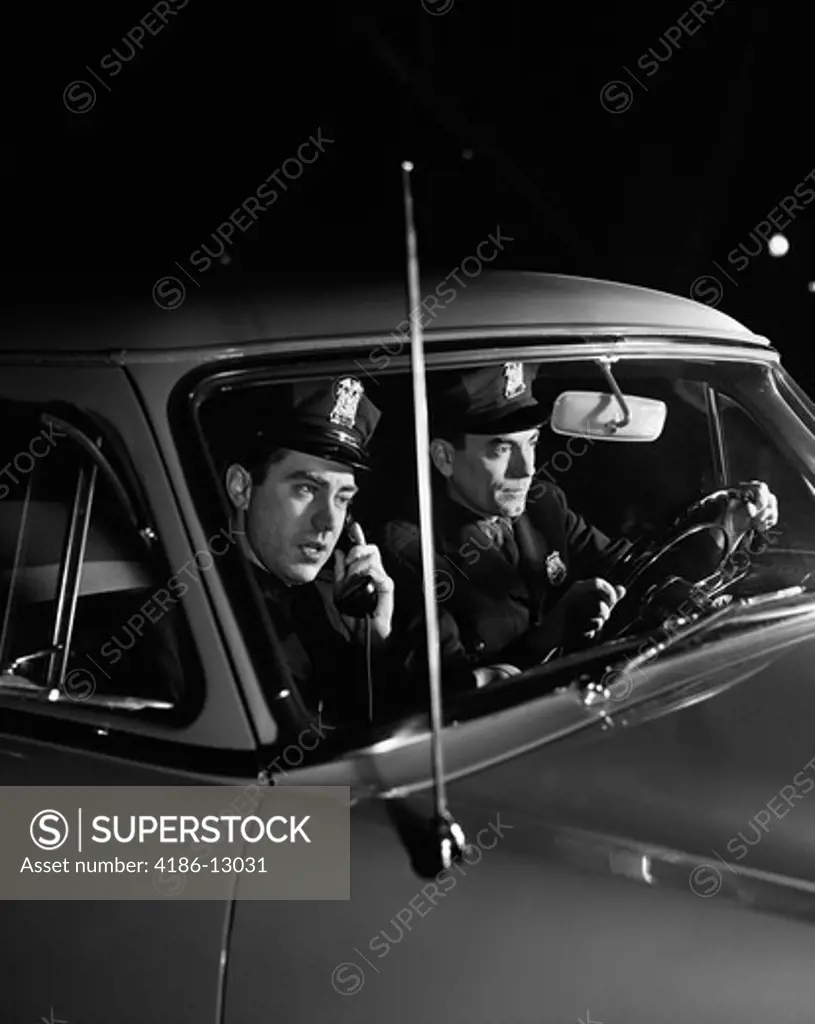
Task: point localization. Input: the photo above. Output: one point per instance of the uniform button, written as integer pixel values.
(480, 646)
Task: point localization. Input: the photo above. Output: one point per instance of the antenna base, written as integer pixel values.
(444, 843)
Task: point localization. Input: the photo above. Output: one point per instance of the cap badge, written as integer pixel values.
(555, 568)
(348, 393)
(514, 383)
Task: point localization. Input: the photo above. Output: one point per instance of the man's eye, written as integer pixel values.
(304, 490)
(501, 449)
(345, 500)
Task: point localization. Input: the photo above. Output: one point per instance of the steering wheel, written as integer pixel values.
(652, 604)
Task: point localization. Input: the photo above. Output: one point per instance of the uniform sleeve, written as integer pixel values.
(408, 645)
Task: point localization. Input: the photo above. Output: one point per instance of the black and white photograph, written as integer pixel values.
(407, 514)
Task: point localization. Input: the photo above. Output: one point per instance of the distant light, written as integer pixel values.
(407, 165)
(779, 245)
(811, 286)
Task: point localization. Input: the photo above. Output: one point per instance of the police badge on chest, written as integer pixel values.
(555, 569)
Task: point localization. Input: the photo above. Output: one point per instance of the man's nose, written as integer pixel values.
(521, 463)
(325, 518)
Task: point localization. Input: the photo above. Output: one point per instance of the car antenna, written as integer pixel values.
(446, 834)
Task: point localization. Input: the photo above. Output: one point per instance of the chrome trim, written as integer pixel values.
(19, 549)
(701, 875)
(591, 692)
(717, 437)
(94, 452)
(700, 341)
(608, 342)
(13, 666)
(112, 703)
(19, 686)
(608, 336)
(71, 572)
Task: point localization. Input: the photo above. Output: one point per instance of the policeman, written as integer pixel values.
(291, 497)
(517, 575)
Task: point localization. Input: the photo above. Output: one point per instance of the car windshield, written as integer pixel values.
(750, 413)
(592, 508)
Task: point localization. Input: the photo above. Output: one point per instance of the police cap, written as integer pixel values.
(490, 399)
(331, 419)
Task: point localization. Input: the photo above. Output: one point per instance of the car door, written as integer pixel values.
(591, 885)
(95, 692)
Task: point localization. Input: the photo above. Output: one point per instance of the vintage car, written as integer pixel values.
(638, 810)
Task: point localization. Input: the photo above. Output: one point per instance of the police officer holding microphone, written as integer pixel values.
(324, 586)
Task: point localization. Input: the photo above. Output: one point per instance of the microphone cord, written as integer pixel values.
(369, 669)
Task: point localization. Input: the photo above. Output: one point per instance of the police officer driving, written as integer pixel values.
(519, 574)
(291, 494)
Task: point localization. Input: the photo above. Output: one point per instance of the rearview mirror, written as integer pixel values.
(602, 415)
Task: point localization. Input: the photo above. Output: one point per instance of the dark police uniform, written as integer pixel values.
(496, 580)
(493, 593)
(324, 651)
(325, 657)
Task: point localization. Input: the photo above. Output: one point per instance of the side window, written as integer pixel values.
(85, 613)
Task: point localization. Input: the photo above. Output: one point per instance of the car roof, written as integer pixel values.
(270, 310)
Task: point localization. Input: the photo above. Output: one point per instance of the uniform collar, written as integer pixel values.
(457, 498)
(238, 522)
(458, 504)
(270, 584)
(273, 585)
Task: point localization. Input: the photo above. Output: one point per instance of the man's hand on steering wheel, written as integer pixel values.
(758, 512)
(585, 608)
(750, 506)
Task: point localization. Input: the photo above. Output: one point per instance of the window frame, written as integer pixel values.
(785, 441)
(80, 430)
(788, 455)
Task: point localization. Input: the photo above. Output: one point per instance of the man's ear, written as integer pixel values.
(239, 486)
(442, 453)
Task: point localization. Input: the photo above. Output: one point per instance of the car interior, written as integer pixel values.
(629, 490)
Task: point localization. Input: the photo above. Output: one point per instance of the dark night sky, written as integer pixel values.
(108, 199)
